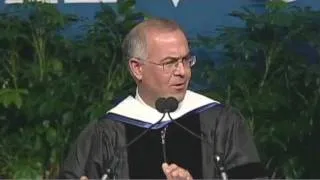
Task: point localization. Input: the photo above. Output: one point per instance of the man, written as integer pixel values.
(130, 142)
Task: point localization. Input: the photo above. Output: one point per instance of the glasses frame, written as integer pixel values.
(192, 59)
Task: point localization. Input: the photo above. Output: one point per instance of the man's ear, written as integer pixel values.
(135, 68)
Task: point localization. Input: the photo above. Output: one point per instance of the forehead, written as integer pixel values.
(164, 44)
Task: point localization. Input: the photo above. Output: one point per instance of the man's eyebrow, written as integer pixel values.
(175, 57)
(169, 57)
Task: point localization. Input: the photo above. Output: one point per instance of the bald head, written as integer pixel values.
(135, 43)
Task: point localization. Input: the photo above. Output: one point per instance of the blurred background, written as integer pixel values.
(62, 67)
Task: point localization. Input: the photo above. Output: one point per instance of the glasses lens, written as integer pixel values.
(169, 67)
(192, 61)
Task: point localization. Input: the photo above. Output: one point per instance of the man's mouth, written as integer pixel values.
(179, 85)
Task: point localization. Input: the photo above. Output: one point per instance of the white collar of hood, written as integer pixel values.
(136, 108)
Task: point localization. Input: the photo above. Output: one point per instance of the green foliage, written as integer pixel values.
(53, 86)
(275, 86)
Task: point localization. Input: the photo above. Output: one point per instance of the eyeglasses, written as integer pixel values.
(171, 64)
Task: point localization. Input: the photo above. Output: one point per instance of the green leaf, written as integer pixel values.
(57, 66)
(126, 6)
(276, 5)
(67, 118)
(51, 136)
(18, 101)
(12, 96)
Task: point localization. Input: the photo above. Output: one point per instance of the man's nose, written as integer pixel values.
(180, 69)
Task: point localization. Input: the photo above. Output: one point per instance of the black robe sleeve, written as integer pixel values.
(83, 151)
(74, 164)
(94, 152)
(241, 157)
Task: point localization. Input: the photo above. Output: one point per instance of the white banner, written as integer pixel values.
(90, 1)
(174, 2)
(65, 1)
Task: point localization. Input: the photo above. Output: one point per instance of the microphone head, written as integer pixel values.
(165, 105)
(161, 105)
(171, 104)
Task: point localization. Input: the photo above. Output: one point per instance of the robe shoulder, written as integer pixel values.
(93, 145)
(235, 142)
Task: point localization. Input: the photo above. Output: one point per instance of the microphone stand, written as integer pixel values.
(220, 166)
(217, 158)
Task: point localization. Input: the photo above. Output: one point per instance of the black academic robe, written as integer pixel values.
(103, 147)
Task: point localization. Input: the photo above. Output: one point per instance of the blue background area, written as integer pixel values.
(195, 16)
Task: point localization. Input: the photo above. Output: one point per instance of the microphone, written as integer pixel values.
(160, 105)
(172, 103)
(166, 105)
(163, 106)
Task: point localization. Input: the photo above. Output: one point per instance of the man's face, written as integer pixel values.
(164, 81)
